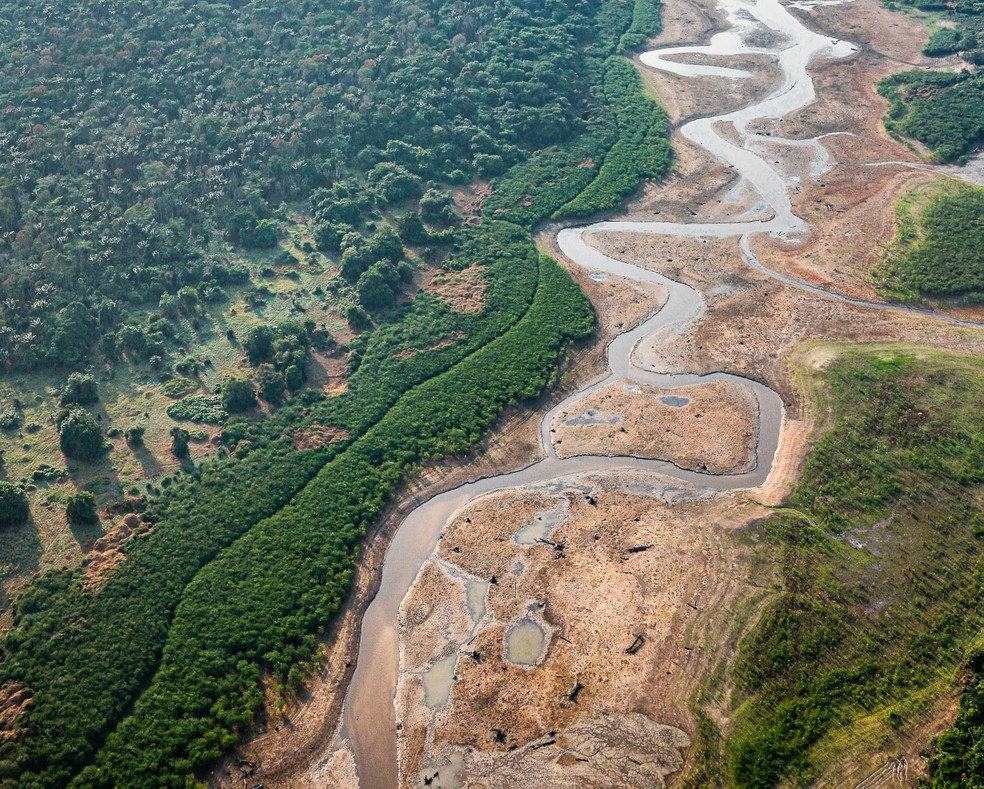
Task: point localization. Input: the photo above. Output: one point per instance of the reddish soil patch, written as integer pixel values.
(316, 436)
(13, 700)
(409, 353)
(464, 291)
(107, 551)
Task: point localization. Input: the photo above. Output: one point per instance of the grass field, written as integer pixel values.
(133, 394)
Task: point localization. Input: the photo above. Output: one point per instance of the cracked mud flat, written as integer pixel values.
(506, 725)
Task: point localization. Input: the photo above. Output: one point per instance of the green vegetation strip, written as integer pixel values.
(939, 248)
(942, 110)
(882, 581)
(84, 678)
(626, 144)
(263, 601)
(959, 754)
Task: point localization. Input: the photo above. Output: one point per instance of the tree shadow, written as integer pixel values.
(148, 461)
(86, 534)
(20, 552)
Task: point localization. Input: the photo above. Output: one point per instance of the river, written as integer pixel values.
(369, 716)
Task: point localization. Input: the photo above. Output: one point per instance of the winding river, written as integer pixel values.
(369, 717)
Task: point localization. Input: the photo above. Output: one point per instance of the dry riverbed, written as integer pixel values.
(710, 428)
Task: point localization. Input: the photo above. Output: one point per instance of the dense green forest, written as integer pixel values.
(938, 251)
(879, 553)
(142, 138)
(178, 132)
(942, 110)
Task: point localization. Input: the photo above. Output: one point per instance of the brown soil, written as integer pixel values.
(594, 596)
(13, 700)
(715, 432)
(410, 353)
(107, 551)
(315, 436)
(753, 323)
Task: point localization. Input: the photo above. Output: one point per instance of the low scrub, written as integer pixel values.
(939, 248)
(880, 561)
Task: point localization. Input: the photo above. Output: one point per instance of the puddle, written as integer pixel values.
(444, 776)
(599, 277)
(437, 681)
(675, 401)
(525, 643)
(475, 591)
(542, 525)
(591, 417)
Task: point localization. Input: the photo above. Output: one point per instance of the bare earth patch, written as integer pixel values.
(614, 587)
(107, 551)
(710, 428)
(315, 436)
(464, 291)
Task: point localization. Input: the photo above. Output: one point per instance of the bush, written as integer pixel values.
(258, 344)
(14, 506)
(80, 389)
(272, 385)
(10, 416)
(947, 41)
(199, 408)
(134, 435)
(81, 509)
(79, 435)
(179, 442)
(238, 395)
(178, 387)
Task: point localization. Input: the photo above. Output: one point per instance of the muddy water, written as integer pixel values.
(369, 719)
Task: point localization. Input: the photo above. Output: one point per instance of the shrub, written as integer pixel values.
(81, 509)
(272, 384)
(179, 387)
(134, 435)
(179, 442)
(198, 408)
(79, 435)
(80, 389)
(10, 416)
(238, 395)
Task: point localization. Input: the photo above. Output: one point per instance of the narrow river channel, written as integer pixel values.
(369, 717)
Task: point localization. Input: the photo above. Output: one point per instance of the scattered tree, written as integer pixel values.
(79, 435)
(81, 509)
(179, 442)
(238, 395)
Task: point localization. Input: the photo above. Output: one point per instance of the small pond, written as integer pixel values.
(525, 642)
